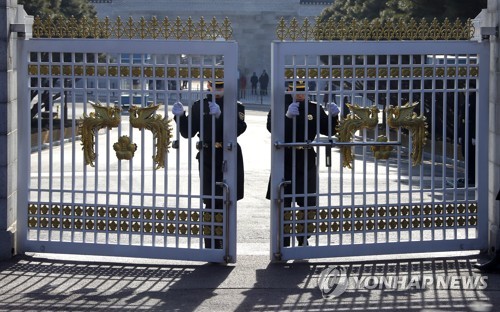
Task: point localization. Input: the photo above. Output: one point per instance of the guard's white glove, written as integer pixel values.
(293, 110)
(333, 109)
(214, 109)
(177, 109)
(460, 140)
(474, 142)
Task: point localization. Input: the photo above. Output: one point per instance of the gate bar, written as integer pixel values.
(281, 186)
(333, 143)
(227, 202)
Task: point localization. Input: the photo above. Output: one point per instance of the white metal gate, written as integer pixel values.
(101, 181)
(383, 185)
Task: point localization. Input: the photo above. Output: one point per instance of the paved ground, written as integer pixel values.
(253, 284)
(39, 282)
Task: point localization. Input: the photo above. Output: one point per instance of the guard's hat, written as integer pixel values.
(219, 84)
(297, 86)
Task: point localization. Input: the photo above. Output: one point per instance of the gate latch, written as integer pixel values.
(328, 155)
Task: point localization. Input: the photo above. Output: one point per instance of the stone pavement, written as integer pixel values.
(48, 282)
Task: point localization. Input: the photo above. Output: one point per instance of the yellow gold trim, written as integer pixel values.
(146, 118)
(400, 217)
(382, 72)
(103, 117)
(90, 70)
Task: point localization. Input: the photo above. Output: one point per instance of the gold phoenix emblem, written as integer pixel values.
(140, 118)
(361, 118)
(103, 117)
(367, 118)
(146, 118)
(404, 116)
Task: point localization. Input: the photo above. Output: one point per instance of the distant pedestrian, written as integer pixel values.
(243, 85)
(254, 80)
(263, 81)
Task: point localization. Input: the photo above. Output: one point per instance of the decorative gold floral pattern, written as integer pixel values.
(61, 27)
(365, 30)
(381, 218)
(164, 221)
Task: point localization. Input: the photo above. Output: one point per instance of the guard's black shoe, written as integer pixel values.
(302, 241)
(490, 265)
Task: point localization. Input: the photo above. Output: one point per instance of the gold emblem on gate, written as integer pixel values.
(146, 118)
(381, 152)
(397, 117)
(124, 148)
(360, 118)
(140, 118)
(405, 117)
(103, 117)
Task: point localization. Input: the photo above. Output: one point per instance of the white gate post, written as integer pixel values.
(492, 19)
(277, 157)
(16, 26)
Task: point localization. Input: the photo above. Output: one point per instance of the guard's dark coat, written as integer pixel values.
(305, 159)
(207, 138)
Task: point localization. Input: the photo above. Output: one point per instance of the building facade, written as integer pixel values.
(253, 22)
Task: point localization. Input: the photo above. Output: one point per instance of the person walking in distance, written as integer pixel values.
(254, 80)
(263, 81)
(243, 85)
(210, 146)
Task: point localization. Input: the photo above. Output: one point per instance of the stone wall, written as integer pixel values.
(253, 22)
(10, 14)
(492, 19)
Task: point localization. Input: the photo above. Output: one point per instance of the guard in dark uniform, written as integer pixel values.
(211, 143)
(301, 118)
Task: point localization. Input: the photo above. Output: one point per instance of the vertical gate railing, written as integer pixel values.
(100, 177)
(406, 171)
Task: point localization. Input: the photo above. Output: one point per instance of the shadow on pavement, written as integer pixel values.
(35, 284)
(294, 287)
(31, 284)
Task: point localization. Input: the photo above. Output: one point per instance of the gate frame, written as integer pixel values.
(141, 46)
(278, 51)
